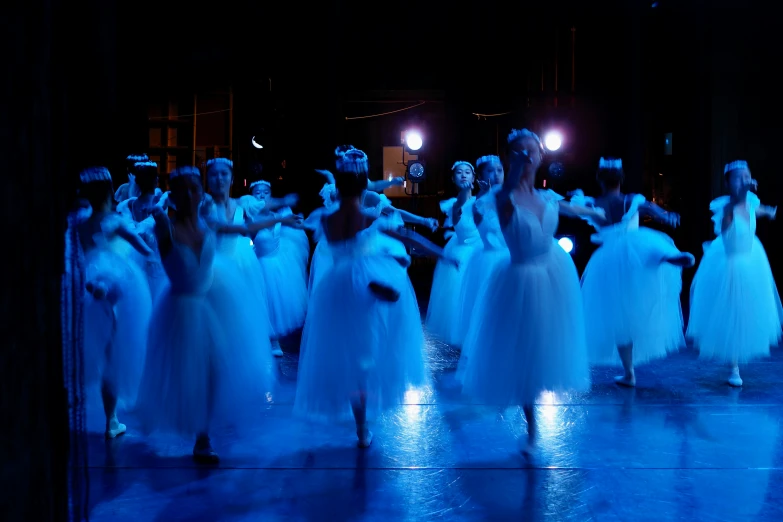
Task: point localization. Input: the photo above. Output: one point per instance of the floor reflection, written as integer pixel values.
(682, 446)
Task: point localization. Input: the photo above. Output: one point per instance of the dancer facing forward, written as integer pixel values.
(206, 362)
(632, 283)
(352, 360)
(521, 354)
(736, 313)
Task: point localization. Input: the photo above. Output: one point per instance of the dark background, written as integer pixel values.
(78, 79)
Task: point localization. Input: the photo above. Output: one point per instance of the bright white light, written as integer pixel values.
(553, 140)
(566, 244)
(413, 140)
(256, 144)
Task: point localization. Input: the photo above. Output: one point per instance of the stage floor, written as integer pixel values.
(682, 446)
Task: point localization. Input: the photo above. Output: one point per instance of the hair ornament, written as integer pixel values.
(462, 163)
(185, 171)
(260, 182)
(487, 159)
(94, 174)
(610, 163)
(735, 165)
(519, 134)
(352, 160)
(220, 161)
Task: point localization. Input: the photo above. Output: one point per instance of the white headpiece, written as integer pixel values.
(185, 171)
(486, 159)
(518, 134)
(137, 157)
(735, 165)
(352, 160)
(260, 182)
(145, 165)
(604, 163)
(93, 174)
(458, 163)
(220, 161)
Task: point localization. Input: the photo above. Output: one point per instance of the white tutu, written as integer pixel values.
(630, 296)
(482, 264)
(444, 308)
(735, 313)
(206, 363)
(286, 286)
(529, 337)
(295, 244)
(116, 327)
(359, 346)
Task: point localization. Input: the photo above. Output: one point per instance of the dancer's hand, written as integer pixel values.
(466, 185)
(483, 187)
(772, 212)
(293, 220)
(673, 219)
(398, 181)
(432, 224)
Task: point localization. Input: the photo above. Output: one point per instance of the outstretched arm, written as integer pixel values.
(381, 185)
(162, 231)
(655, 212)
(130, 235)
(413, 219)
(414, 240)
(766, 211)
(250, 229)
(288, 200)
(595, 214)
(326, 174)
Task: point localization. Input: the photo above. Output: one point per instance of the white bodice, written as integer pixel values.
(527, 237)
(228, 243)
(465, 230)
(267, 241)
(738, 238)
(489, 228)
(191, 273)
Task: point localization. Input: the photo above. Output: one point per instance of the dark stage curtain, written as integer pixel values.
(57, 106)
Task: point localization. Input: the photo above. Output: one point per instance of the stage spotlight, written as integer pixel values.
(413, 140)
(566, 243)
(256, 144)
(553, 140)
(416, 173)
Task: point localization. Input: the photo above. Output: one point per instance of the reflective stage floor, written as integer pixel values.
(682, 446)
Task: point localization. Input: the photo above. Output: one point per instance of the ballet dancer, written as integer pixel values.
(735, 307)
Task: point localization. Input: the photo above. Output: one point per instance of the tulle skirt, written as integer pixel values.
(286, 290)
(242, 262)
(735, 312)
(319, 265)
(295, 245)
(631, 297)
(364, 346)
(530, 335)
(477, 273)
(116, 327)
(444, 309)
(207, 362)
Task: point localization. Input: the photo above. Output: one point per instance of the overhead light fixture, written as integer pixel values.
(416, 173)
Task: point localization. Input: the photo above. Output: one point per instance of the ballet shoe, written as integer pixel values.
(115, 428)
(735, 379)
(276, 350)
(203, 451)
(365, 437)
(622, 380)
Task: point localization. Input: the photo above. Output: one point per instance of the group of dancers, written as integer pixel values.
(188, 294)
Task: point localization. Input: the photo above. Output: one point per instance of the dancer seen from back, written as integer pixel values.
(443, 311)
(519, 352)
(735, 307)
(131, 189)
(138, 212)
(118, 303)
(632, 283)
(206, 363)
(484, 261)
(352, 361)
